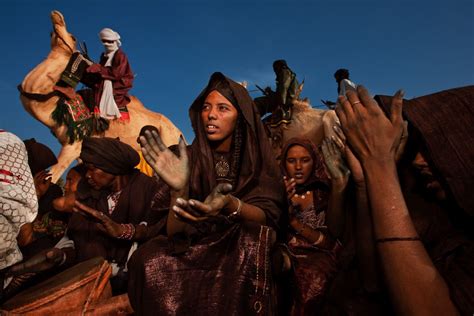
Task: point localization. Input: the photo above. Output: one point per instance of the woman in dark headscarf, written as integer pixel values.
(222, 202)
(116, 203)
(315, 217)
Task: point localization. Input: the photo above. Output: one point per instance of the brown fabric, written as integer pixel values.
(109, 155)
(40, 156)
(121, 75)
(313, 267)
(134, 206)
(67, 293)
(225, 270)
(259, 181)
(445, 121)
(226, 273)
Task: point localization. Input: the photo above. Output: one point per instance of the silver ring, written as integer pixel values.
(356, 102)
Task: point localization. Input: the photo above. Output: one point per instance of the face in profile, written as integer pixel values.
(97, 178)
(299, 164)
(72, 180)
(219, 117)
(431, 184)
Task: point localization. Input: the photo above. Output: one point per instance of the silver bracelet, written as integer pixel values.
(236, 214)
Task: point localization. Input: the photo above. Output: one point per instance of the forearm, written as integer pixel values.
(365, 242)
(248, 212)
(415, 285)
(311, 235)
(173, 224)
(335, 213)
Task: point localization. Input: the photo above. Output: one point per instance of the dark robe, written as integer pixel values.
(313, 267)
(442, 124)
(226, 269)
(121, 75)
(134, 206)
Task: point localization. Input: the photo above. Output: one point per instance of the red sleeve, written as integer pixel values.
(119, 68)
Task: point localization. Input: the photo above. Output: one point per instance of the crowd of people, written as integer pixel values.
(376, 220)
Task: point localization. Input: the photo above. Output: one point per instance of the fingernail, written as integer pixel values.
(191, 202)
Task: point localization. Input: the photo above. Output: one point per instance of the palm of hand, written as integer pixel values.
(333, 160)
(216, 202)
(218, 199)
(172, 169)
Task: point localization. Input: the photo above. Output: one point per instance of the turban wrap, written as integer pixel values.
(40, 157)
(109, 155)
(110, 35)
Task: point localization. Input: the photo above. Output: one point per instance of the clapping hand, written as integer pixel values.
(172, 169)
(197, 211)
(371, 135)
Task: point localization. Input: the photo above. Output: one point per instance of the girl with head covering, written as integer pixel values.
(226, 197)
(315, 218)
(111, 78)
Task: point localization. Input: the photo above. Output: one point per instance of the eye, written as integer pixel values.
(205, 107)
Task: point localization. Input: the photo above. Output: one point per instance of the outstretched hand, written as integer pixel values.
(197, 211)
(371, 135)
(352, 162)
(42, 261)
(334, 161)
(105, 223)
(172, 169)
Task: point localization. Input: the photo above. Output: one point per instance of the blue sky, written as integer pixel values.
(174, 46)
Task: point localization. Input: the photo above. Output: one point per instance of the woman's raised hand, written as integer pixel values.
(371, 135)
(172, 169)
(334, 161)
(196, 211)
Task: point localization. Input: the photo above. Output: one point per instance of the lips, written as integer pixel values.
(211, 128)
(299, 176)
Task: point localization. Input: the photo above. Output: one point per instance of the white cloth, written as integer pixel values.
(18, 201)
(345, 86)
(108, 107)
(110, 35)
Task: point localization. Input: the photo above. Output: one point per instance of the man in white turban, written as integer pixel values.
(113, 77)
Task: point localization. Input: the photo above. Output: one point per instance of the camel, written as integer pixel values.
(39, 99)
(306, 122)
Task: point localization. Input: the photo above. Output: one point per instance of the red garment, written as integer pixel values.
(119, 73)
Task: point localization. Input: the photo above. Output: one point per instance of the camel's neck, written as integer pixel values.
(41, 80)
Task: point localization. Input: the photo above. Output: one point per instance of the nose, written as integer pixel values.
(211, 115)
(298, 165)
(88, 174)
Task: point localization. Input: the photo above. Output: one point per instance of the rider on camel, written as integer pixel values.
(111, 78)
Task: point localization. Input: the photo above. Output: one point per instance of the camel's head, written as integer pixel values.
(61, 39)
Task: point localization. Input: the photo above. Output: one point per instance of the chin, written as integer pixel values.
(300, 181)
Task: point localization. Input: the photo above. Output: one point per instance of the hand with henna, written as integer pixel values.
(197, 211)
(105, 223)
(172, 169)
